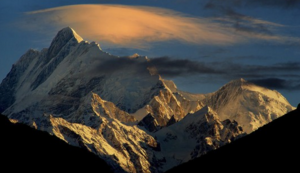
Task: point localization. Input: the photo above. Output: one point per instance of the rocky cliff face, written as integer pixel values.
(8, 86)
(195, 135)
(166, 105)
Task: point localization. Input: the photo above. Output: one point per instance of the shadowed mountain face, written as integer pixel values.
(270, 148)
(24, 148)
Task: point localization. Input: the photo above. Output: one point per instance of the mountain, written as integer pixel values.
(270, 148)
(26, 149)
(119, 109)
(250, 105)
(165, 106)
(195, 135)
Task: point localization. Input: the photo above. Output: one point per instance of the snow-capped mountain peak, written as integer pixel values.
(134, 55)
(237, 83)
(63, 37)
(67, 33)
(235, 86)
(131, 117)
(250, 105)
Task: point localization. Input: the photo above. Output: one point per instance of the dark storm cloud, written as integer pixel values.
(174, 67)
(274, 76)
(164, 66)
(277, 67)
(281, 68)
(272, 83)
(119, 64)
(277, 83)
(233, 70)
(277, 76)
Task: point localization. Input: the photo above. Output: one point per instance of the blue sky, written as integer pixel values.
(258, 40)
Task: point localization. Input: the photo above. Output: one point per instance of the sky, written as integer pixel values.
(200, 44)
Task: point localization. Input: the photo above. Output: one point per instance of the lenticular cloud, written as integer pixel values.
(133, 25)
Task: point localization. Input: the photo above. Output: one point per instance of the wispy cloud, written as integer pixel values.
(230, 13)
(132, 25)
(274, 76)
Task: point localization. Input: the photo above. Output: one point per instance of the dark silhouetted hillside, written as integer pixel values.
(25, 149)
(273, 147)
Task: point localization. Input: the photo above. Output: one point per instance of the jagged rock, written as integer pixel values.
(150, 123)
(172, 121)
(168, 104)
(195, 135)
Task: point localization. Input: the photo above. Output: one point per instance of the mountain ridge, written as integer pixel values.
(239, 99)
(266, 145)
(127, 115)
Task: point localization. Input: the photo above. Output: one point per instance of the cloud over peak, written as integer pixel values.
(140, 26)
(134, 25)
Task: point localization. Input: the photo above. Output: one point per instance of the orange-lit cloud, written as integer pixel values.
(138, 26)
(131, 25)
